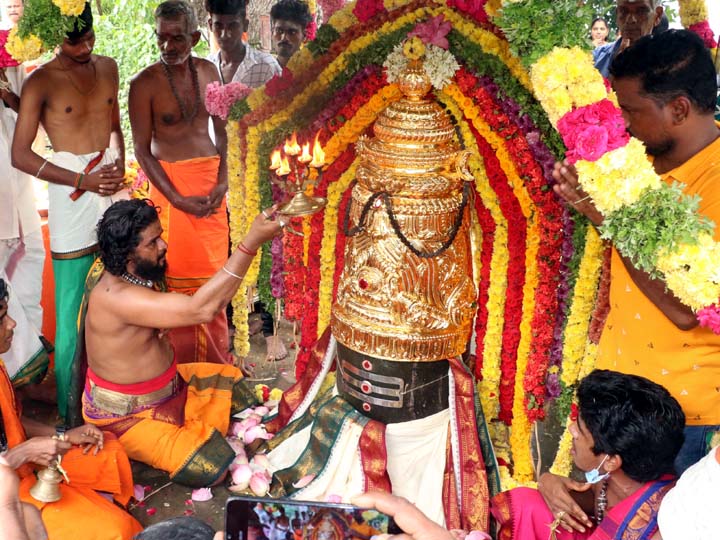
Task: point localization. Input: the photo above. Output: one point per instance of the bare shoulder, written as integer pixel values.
(206, 68)
(106, 63)
(145, 78)
(40, 76)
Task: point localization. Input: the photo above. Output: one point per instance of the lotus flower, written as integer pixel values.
(241, 476)
(262, 461)
(255, 432)
(201, 495)
(240, 459)
(259, 484)
(261, 411)
(138, 492)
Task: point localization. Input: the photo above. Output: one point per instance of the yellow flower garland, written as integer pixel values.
(489, 387)
(71, 8)
(23, 50)
(583, 302)
(329, 241)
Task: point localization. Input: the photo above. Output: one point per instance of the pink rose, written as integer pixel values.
(591, 143)
(709, 317)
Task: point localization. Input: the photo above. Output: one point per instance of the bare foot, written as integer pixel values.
(240, 363)
(275, 348)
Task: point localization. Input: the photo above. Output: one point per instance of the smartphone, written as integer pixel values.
(251, 518)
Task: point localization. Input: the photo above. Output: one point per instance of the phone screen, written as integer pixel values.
(248, 518)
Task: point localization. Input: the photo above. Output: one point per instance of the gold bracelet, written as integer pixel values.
(233, 274)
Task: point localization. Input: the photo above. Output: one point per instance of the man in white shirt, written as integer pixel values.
(236, 60)
(10, 13)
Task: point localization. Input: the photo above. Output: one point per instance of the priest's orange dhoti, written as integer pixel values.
(197, 248)
(81, 510)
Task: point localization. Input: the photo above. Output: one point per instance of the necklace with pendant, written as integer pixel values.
(134, 280)
(187, 116)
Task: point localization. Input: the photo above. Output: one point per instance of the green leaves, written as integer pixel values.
(659, 221)
(44, 19)
(534, 27)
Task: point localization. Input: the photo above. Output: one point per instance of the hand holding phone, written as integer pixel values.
(250, 518)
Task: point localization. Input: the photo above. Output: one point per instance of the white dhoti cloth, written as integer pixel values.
(72, 223)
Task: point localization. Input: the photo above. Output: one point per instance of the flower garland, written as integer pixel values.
(327, 86)
(6, 59)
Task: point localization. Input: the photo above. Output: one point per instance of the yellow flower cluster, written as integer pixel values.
(562, 465)
(342, 19)
(692, 272)
(327, 249)
(564, 79)
(238, 228)
(70, 8)
(692, 12)
(583, 303)
(489, 387)
(23, 50)
(414, 48)
(618, 178)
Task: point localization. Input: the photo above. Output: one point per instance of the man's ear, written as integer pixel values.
(658, 15)
(613, 463)
(209, 23)
(680, 108)
(195, 37)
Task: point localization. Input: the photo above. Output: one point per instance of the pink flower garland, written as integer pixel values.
(590, 132)
(703, 30)
(220, 98)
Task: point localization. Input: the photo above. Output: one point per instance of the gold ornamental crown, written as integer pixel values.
(406, 292)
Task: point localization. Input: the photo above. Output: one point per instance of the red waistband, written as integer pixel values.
(140, 388)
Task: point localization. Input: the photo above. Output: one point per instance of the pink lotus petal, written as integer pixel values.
(262, 461)
(151, 511)
(261, 411)
(188, 502)
(332, 498)
(138, 492)
(237, 445)
(237, 462)
(188, 513)
(237, 489)
(259, 484)
(241, 476)
(255, 432)
(201, 495)
(304, 481)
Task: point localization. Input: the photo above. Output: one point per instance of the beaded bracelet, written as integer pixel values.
(244, 249)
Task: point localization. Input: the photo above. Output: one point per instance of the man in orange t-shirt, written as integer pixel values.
(666, 88)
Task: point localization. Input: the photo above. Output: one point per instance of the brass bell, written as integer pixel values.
(47, 487)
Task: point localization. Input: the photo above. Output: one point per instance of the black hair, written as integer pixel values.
(597, 19)
(291, 10)
(119, 231)
(226, 7)
(670, 64)
(179, 528)
(634, 418)
(4, 293)
(83, 23)
(176, 9)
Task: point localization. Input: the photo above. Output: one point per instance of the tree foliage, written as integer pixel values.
(125, 31)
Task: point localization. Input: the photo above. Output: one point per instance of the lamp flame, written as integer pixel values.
(292, 148)
(318, 159)
(305, 157)
(275, 160)
(284, 167)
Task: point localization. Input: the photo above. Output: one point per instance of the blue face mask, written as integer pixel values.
(594, 476)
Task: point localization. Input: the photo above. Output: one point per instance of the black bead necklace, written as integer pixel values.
(187, 116)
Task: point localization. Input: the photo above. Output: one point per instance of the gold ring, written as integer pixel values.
(561, 514)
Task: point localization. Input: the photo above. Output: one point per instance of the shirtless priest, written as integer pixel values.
(171, 416)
